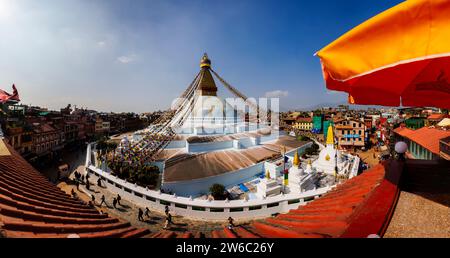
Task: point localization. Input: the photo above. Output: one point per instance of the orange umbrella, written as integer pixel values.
(399, 57)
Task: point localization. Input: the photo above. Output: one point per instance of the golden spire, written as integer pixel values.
(205, 62)
(296, 161)
(206, 85)
(330, 136)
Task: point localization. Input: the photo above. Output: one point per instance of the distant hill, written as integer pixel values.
(335, 105)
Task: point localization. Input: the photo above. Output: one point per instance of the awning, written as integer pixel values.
(399, 57)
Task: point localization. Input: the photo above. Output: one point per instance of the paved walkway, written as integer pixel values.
(368, 156)
(417, 216)
(128, 211)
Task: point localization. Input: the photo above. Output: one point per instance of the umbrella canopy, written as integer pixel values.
(399, 57)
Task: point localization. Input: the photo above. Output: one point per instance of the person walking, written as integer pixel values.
(93, 199)
(99, 182)
(118, 199)
(114, 203)
(140, 215)
(77, 183)
(102, 200)
(166, 210)
(169, 218)
(147, 212)
(166, 223)
(88, 184)
(230, 223)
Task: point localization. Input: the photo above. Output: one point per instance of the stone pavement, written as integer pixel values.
(368, 156)
(417, 216)
(128, 211)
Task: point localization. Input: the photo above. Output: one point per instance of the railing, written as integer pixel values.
(355, 167)
(204, 209)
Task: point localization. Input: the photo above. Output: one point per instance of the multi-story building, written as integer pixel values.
(444, 148)
(434, 119)
(102, 126)
(415, 122)
(20, 138)
(46, 139)
(71, 132)
(303, 123)
(350, 133)
(318, 123)
(368, 121)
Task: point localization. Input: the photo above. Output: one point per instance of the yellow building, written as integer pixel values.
(303, 123)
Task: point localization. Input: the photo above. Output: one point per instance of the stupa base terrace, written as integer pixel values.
(190, 164)
(238, 161)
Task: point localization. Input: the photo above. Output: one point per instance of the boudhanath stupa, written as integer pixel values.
(209, 139)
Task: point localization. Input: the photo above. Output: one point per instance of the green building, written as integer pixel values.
(415, 122)
(317, 124)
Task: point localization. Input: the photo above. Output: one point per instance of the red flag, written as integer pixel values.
(15, 95)
(5, 96)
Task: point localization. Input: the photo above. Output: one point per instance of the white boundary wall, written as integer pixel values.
(202, 209)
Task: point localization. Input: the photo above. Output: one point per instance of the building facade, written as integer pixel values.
(350, 133)
(303, 123)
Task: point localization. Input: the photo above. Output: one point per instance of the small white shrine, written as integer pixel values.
(300, 180)
(329, 157)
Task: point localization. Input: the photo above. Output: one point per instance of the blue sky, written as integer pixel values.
(117, 55)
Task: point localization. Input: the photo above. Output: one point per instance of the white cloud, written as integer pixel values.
(126, 59)
(333, 92)
(276, 94)
(101, 43)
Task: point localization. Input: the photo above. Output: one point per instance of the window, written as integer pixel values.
(150, 198)
(275, 204)
(195, 208)
(236, 209)
(294, 201)
(164, 202)
(307, 199)
(216, 210)
(180, 206)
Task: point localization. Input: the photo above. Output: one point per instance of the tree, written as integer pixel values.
(217, 191)
(303, 138)
(315, 147)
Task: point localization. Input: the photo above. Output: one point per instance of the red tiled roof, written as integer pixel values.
(436, 116)
(403, 131)
(30, 206)
(304, 119)
(427, 137)
(44, 128)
